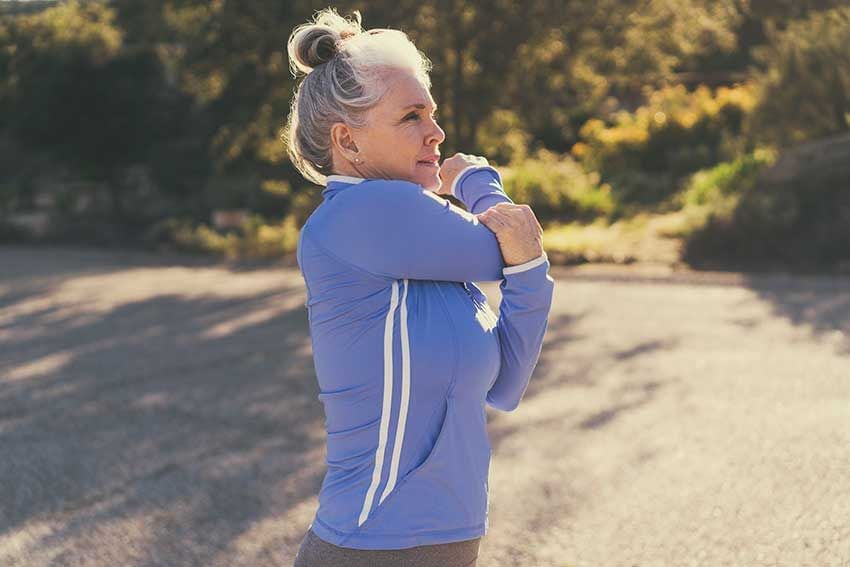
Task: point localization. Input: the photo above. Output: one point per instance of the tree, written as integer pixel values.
(807, 68)
(79, 93)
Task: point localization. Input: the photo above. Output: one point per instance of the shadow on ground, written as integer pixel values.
(821, 303)
(556, 369)
(141, 416)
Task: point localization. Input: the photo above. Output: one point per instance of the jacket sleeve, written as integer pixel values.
(527, 292)
(397, 229)
(479, 187)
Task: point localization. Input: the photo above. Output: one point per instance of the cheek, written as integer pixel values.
(400, 150)
(409, 148)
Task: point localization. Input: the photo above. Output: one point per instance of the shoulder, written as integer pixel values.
(376, 188)
(383, 193)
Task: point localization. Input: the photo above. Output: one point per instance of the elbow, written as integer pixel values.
(508, 405)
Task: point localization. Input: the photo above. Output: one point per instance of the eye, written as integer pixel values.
(412, 115)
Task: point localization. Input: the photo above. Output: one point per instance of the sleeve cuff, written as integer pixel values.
(462, 173)
(526, 266)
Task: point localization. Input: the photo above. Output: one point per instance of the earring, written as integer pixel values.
(358, 160)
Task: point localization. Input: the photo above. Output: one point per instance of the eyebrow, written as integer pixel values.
(420, 106)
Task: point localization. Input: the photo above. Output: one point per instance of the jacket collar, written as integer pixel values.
(336, 183)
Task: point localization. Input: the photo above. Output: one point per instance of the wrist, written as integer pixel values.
(455, 188)
(527, 265)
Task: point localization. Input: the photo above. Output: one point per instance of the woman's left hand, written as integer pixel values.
(516, 227)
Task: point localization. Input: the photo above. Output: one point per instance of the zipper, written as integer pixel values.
(471, 296)
(466, 289)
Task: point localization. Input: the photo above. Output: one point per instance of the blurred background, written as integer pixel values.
(706, 133)
(158, 396)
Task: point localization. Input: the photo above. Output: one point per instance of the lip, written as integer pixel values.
(430, 160)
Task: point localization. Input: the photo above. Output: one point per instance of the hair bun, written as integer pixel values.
(317, 42)
(316, 45)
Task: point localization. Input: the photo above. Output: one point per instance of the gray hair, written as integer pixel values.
(343, 67)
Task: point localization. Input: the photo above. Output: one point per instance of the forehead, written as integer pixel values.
(404, 89)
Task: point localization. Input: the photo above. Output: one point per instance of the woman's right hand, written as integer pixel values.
(452, 167)
(519, 234)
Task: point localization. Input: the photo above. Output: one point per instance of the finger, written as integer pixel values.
(502, 212)
(532, 218)
(493, 212)
(490, 224)
(498, 220)
(491, 215)
(528, 215)
(533, 224)
(512, 216)
(537, 222)
(494, 227)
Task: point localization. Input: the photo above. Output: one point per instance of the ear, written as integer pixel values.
(342, 138)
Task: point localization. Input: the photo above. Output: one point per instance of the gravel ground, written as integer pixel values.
(162, 411)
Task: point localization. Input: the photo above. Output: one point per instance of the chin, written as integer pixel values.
(433, 185)
(431, 182)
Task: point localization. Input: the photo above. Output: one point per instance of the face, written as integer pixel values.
(401, 138)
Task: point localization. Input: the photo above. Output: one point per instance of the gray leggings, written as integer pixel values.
(316, 552)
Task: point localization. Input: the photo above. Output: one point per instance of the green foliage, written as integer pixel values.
(554, 63)
(196, 93)
(643, 153)
(714, 193)
(711, 186)
(230, 192)
(795, 212)
(80, 95)
(502, 138)
(75, 28)
(35, 48)
(257, 238)
(230, 58)
(676, 131)
(782, 13)
(807, 69)
(556, 187)
(40, 54)
(663, 37)
(304, 202)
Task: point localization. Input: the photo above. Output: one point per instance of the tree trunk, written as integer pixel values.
(115, 188)
(840, 103)
(458, 45)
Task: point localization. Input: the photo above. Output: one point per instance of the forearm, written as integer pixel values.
(523, 319)
(479, 188)
(394, 229)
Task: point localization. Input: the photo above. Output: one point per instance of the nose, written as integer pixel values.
(436, 134)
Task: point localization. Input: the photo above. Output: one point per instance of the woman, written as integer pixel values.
(406, 351)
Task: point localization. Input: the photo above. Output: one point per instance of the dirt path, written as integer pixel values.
(163, 412)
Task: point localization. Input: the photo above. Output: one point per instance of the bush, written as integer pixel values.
(642, 154)
(795, 212)
(711, 186)
(10, 233)
(804, 89)
(713, 193)
(556, 187)
(257, 238)
(636, 189)
(502, 137)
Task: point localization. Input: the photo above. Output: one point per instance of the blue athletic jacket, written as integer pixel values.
(407, 353)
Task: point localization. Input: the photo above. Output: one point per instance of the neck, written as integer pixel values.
(342, 166)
